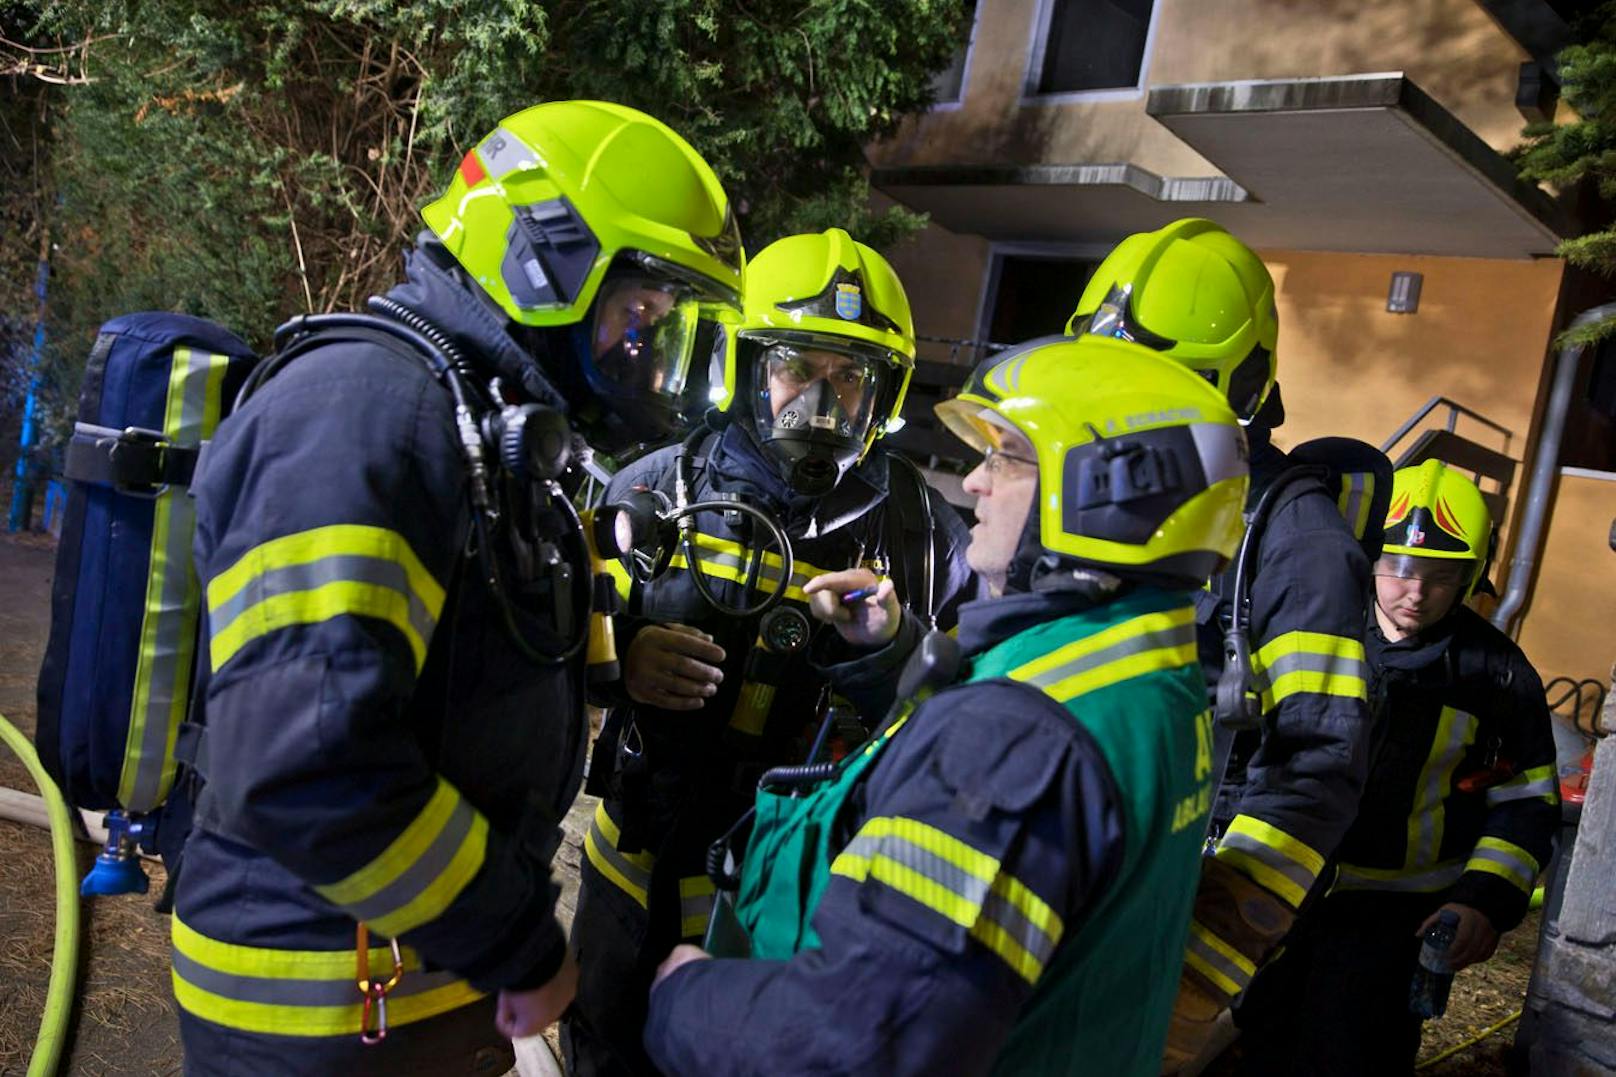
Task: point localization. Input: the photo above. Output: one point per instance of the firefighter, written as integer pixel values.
(1002, 879)
(1459, 813)
(1198, 295)
(816, 371)
(393, 700)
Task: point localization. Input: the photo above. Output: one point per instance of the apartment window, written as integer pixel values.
(1032, 295)
(1590, 431)
(1088, 45)
(948, 85)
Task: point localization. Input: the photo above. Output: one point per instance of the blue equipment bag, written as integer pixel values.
(119, 668)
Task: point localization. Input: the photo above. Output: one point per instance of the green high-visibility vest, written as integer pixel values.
(1128, 673)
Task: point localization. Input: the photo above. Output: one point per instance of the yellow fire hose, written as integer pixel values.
(1471, 1042)
(65, 957)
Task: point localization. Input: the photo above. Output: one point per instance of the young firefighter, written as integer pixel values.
(1002, 879)
(1198, 295)
(394, 698)
(817, 370)
(1460, 811)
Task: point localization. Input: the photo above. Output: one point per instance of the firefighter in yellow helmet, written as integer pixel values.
(396, 590)
(1460, 703)
(814, 373)
(996, 883)
(1196, 294)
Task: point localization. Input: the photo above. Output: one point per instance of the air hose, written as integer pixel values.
(65, 955)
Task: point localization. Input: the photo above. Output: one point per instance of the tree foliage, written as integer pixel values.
(243, 161)
(1584, 150)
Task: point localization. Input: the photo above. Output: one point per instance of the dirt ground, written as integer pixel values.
(125, 1022)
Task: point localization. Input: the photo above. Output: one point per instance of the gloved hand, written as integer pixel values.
(1236, 927)
(674, 667)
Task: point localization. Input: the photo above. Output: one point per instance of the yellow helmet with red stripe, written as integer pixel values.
(1438, 514)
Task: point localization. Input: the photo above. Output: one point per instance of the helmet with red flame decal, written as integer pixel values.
(1437, 514)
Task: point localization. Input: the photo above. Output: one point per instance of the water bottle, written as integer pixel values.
(1428, 993)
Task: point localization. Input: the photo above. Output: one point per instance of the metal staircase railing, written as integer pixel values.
(1445, 443)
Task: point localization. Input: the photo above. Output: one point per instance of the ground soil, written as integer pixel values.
(125, 1022)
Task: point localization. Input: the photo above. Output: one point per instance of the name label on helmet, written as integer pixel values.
(1146, 419)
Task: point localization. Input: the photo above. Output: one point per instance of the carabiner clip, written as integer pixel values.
(375, 992)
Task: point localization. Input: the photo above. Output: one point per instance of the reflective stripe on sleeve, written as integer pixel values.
(731, 561)
(424, 869)
(1528, 784)
(695, 905)
(1279, 863)
(312, 576)
(1316, 662)
(1357, 494)
(1224, 966)
(947, 876)
(1455, 731)
(1401, 880)
(1506, 860)
(300, 992)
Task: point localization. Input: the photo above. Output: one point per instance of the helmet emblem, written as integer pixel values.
(1416, 537)
(849, 301)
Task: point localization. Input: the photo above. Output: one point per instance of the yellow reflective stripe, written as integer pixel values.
(1528, 785)
(696, 894)
(1357, 492)
(422, 871)
(1403, 880)
(1315, 662)
(1272, 858)
(169, 618)
(1146, 644)
(1224, 966)
(313, 576)
(621, 580)
(1455, 730)
(299, 992)
(1506, 860)
(730, 561)
(630, 872)
(958, 882)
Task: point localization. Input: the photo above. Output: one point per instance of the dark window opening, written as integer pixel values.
(1590, 432)
(1094, 45)
(1035, 295)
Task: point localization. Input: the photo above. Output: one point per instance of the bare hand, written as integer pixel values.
(674, 667)
(680, 955)
(869, 622)
(1474, 940)
(528, 1013)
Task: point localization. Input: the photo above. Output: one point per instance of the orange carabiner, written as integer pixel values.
(375, 992)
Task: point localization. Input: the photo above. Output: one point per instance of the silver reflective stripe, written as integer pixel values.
(283, 992)
(1440, 877)
(635, 875)
(1504, 793)
(1200, 948)
(1273, 858)
(1521, 873)
(1176, 636)
(1455, 731)
(426, 870)
(1222, 450)
(694, 908)
(503, 153)
(973, 891)
(168, 628)
(1335, 665)
(311, 575)
(1357, 490)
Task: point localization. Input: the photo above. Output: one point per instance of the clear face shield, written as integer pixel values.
(815, 406)
(1431, 571)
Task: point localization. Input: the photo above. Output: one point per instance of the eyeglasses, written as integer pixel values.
(996, 461)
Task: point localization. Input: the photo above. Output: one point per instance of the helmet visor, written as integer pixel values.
(1438, 571)
(1114, 318)
(642, 337)
(818, 393)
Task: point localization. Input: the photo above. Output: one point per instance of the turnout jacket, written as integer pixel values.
(376, 749)
(1463, 797)
(1000, 880)
(691, 773)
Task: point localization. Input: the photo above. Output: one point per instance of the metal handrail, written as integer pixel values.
(1455, 409)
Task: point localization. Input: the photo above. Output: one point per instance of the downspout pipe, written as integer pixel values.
(1545, 464)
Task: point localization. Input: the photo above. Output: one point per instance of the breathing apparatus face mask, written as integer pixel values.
(636, 352)
(813, 408)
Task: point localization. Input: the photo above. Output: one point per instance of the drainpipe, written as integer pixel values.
(1545, 463)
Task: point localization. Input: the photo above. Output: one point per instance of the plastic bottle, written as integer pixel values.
(1433, 977)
